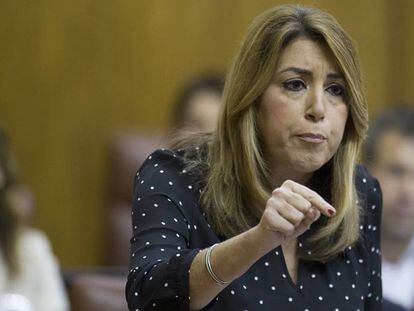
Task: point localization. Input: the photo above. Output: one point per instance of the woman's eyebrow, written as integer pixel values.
(336, 76)
(296, 70)
(307, 72)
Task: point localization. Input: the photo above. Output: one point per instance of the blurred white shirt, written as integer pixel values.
(39, 280)
(398, 279)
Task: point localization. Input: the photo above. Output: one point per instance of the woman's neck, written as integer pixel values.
(279, 174)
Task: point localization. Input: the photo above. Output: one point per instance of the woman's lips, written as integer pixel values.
(312, 138)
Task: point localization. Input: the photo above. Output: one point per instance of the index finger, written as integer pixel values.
(313, 197)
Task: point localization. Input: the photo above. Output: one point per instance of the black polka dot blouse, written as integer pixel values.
(169, 229)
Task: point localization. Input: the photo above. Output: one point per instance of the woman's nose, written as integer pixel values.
(315, 110)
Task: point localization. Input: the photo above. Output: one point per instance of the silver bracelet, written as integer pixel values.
(210, 271)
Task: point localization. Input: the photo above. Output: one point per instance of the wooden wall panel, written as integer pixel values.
(401, 50)
(73, 73)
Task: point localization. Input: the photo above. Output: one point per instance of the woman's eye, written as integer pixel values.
(336, 90)
(294, 85)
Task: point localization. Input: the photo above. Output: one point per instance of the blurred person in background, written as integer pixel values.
(29, 274)
(389, 154)
(197, 105)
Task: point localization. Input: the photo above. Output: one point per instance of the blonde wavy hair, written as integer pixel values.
(235, 187)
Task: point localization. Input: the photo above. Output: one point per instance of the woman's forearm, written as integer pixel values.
(229, 260)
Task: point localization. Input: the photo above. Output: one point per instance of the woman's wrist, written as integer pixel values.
(263, 240)
(251, 245)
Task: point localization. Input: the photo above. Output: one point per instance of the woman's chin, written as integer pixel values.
(308, 165)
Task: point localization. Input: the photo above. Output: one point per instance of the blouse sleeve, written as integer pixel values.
(373, 299)
(160, 256)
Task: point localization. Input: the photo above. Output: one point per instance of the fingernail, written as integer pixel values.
(331, 211)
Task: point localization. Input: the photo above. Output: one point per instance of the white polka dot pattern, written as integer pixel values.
(170, 228)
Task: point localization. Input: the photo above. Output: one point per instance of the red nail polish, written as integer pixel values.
(331, 212)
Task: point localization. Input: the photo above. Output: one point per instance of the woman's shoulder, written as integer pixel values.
(165, 171)
(161, 158)
(178, 158)
(160, 164)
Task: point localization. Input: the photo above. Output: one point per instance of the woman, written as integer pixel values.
(271, 211)
(29, 274)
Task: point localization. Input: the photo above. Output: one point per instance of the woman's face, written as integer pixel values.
(303, 112)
